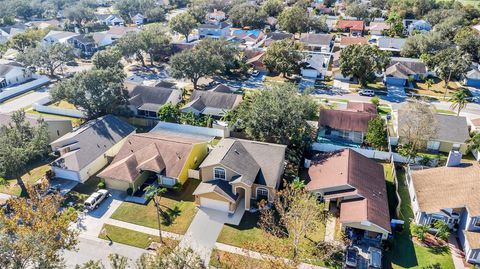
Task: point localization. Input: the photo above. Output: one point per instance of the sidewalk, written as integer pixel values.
(457, 253)
(142, 229)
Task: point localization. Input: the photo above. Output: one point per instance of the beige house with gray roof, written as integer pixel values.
(238, 171)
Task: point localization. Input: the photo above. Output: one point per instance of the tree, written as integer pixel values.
(155, 41)
(183, 23)
(377, 133)
(272, 7)
(419, 230)
(155, 14)
(459, 100)
(228, 51)
(22, 41)
(429, 82)
(318, 24)
(283, 56)
(97, 92)
(169, 113)
(299, 214)
(357, 10)
(468, 41)
(449, 64)
(34, 231)
(47, 56)
(104, 59)
(247, 14)
(130, 46)
(294, 20)
(79, 13)
(362, 61)
(20, 144)
(425, 43)
(279, 115)
(473, 142)
(155, 193)
(195, 64)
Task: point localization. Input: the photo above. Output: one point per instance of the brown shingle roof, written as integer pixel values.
(362, 107)
(316, 39)
(448, 187)
(473, 239)
(347, 167)
(345, 119)
(345, 41)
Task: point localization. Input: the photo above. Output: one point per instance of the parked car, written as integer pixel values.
(96, 199)
(255, 73)
(366, 92)
(351, 257)
(374, 258)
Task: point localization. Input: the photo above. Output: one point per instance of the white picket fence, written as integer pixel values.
(10, 92)
(41, 106)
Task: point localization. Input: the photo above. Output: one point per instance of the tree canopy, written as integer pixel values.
(183, 24)
(294, 20)
(50, 57)
(247, 14)
(283, 56)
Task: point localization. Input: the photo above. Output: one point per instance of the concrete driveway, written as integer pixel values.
(24, 101)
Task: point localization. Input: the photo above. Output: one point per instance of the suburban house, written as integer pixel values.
(85, 44)
(317, 42)
(401, 69)
(378, 28)
(352, 40)
(348, 125)
(216, 15)
(472, 78)
(420, 25)
(355, 28)
(355, 185)
(211, 103)
(223, 88)
(106, 38)
(58, 37)
(275, 36)
(145, 101)
(157, 157)
(451, 131)
(255, 59)
(54, 23)
(139, 19)
(87, 149)
(248, 38)
(13, 73)
(238, 171)
(7, 32)
(214, 30)
(449, 194)
(56, 127)
(110, 19)
(315, 66)
(394, 45)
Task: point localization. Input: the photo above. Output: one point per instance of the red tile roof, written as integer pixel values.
(351, 25)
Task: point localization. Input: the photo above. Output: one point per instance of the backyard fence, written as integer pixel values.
(41, 106)
(10, 92)
(185, 128)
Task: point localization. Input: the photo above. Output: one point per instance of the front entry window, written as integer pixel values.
(262, 193)
(219, 173)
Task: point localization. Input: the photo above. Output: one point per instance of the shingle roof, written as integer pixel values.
(220, 25)
(346, 40)
(362, 107)
(390, 43)
(60, 34)
(256, 162)
(347, 167)
(213, 103)
(410, 64)
(448, 187)
(152, 98)
(345, 119)
(6, 68)
(32, 119)
(156, 152)
(223, 88)
(316, 39)
(91, 140)
(378, 26)
(221, 187)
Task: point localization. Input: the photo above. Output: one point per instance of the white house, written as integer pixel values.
(58, 37)
(139, 19)
(315, 65)
(7, 32)
(86, 150)
(110, 19)
(13, 73)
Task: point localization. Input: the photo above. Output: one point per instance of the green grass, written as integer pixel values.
(75, 121)
(405, 253)
(445, 111)
(131, 237)
(178, 207)
(35, 172)
(222, 259)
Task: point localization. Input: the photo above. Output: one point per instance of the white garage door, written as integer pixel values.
(214, 204)
(66, 174)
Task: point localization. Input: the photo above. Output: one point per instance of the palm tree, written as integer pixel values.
(155, 193)
(459, 100)
(474, 142)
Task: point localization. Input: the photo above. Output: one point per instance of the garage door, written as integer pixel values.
(66, 174)
(214, 204)
(310, 73)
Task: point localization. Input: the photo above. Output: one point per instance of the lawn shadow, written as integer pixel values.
(186, 193)
(169, 215)
(249, 221)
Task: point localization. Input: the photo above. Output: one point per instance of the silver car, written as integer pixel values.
(95, 199)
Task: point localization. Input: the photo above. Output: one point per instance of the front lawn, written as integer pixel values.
(222, 259)
(405, 253)
(131, 237)
(36, 171)
(437, 88)
(179, 209)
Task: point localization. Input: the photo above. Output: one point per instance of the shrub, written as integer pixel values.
(129, 191)
(419, 231)
(375, 100)
(177, 187)
(101, 184)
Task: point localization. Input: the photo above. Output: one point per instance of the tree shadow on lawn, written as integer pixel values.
(186, 193)
(170, 214)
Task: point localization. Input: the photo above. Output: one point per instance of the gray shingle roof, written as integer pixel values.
(316, 39)
(213, 103)
(390, 43)
(152, 98)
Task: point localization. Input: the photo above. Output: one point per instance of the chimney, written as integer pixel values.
(454, 158)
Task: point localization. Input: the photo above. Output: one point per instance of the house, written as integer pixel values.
(214, 30)
(476, 27)
(255, 59)
(145, 101)
(348, 125)
(54, 23)
(449, 194)
(391, 44)
(248, 38)
(472, 78)
(13, 73)
(401, 69)
(356, 186)
(85, 44)
(58, 37)
(216, 15)
(355, 28)
(223, 88)
(317, 42)
(378, 28)
(138, 19)
(109, 37)
(352, 40)
(451, 131)
(211, 103)
(7, 32)
(276, 36)
(110, 19)
(419, 25)
(237, 171)
(161, 157)
(315, 66)
(87, 149)
(56, 127)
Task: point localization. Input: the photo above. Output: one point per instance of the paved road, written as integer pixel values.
(23, 101)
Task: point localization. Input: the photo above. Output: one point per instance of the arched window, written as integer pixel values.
(219, 173)
(262, 193)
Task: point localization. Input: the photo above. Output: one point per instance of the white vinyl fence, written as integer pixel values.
(41, 106)
(10, 92)
(185, 128)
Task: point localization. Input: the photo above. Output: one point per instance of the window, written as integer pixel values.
(262, 192)
(476, 222)
(219, 173)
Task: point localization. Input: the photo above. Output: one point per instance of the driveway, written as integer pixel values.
(250, 83)
(24, 101)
